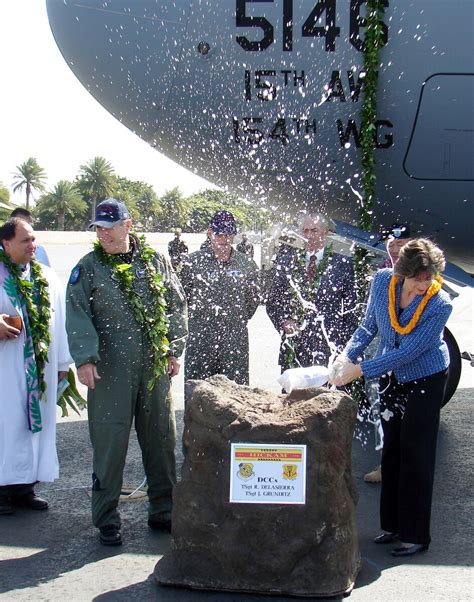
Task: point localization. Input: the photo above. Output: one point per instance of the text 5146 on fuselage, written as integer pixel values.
(264, 97)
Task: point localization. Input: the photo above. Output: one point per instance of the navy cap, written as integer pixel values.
(396, 231)
(223, 222)
(109, 212)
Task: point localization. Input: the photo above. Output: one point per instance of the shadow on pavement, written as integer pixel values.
(38, 548)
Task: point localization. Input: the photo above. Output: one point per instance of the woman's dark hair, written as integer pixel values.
(419, 256)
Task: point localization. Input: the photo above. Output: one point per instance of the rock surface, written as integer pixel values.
(303, 550)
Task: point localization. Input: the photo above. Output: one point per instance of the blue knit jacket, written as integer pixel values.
(420, 353)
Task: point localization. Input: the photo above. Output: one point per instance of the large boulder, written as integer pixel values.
(304, 550)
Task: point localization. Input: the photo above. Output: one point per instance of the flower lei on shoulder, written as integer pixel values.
(38, 307)
(431, 292)
(153, 319)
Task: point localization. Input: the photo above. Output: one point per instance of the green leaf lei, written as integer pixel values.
(372, 46)
(154, 319)
(36, 297)
(290, 353)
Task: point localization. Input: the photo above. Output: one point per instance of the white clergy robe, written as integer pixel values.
(26, 457)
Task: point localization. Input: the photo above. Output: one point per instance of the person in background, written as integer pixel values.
(223, 293)
(312, 298)
(395, 236)
(409, 311)
(177, 249)
(245, 246)
(40, 255)
(126, 323)
(34, 357)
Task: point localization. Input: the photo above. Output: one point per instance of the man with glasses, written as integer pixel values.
(312, 299)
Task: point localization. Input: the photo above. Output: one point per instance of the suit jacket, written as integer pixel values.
(420, 353)
(331, 304)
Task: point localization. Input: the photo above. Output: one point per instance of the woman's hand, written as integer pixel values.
(343, 371)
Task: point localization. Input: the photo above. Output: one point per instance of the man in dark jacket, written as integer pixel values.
(312, 299)
(177, 249)
(127, 324)
(245, 246)
(222, 290)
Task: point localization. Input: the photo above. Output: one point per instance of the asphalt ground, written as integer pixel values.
(55, 555)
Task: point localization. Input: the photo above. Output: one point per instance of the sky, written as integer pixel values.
(46, 113)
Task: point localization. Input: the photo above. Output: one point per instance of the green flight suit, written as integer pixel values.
(222, 297)
(102, 330)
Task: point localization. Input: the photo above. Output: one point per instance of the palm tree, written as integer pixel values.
(31, 176)
(64, 198)
(173, 210)
(5, 205)
(96, 180)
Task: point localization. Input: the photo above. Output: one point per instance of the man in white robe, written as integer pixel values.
(27, 457)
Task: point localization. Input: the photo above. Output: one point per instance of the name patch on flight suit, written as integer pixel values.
(75, 275)
(235, 273)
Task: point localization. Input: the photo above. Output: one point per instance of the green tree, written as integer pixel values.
(173, 211)
(141, 200)
(5, 206)
(31, 176)
(201, 208)
(64, 200)
(203, 205)
(95, 181)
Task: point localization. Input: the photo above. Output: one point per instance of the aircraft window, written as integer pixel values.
(444, 124)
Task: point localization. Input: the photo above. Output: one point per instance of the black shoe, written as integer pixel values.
(5, 505)
(110, 536)
(30, 501)
(160, 525)
(414, 548)
(386, 537)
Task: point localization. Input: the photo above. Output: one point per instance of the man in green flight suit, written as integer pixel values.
(126, 320)
(222, 290)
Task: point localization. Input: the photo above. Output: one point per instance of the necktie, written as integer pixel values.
(311, 269)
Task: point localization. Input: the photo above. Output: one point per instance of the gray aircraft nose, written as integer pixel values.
(122, 49)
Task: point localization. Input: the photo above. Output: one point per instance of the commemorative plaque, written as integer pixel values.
(266, 502)
(267, 474)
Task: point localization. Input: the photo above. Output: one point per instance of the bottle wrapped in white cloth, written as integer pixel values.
(302, 378)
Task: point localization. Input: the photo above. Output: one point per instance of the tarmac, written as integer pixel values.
(55, 555)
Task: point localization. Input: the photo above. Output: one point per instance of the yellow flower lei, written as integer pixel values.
(431, 292)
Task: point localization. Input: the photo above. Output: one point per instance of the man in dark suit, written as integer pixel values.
(312, 298)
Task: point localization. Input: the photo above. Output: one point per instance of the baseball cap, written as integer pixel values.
(223, 222)
(396, 231)
(109, 212)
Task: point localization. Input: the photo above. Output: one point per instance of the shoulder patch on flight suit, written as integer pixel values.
(75, 275)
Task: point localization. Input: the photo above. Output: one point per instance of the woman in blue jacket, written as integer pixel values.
(409, 311)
